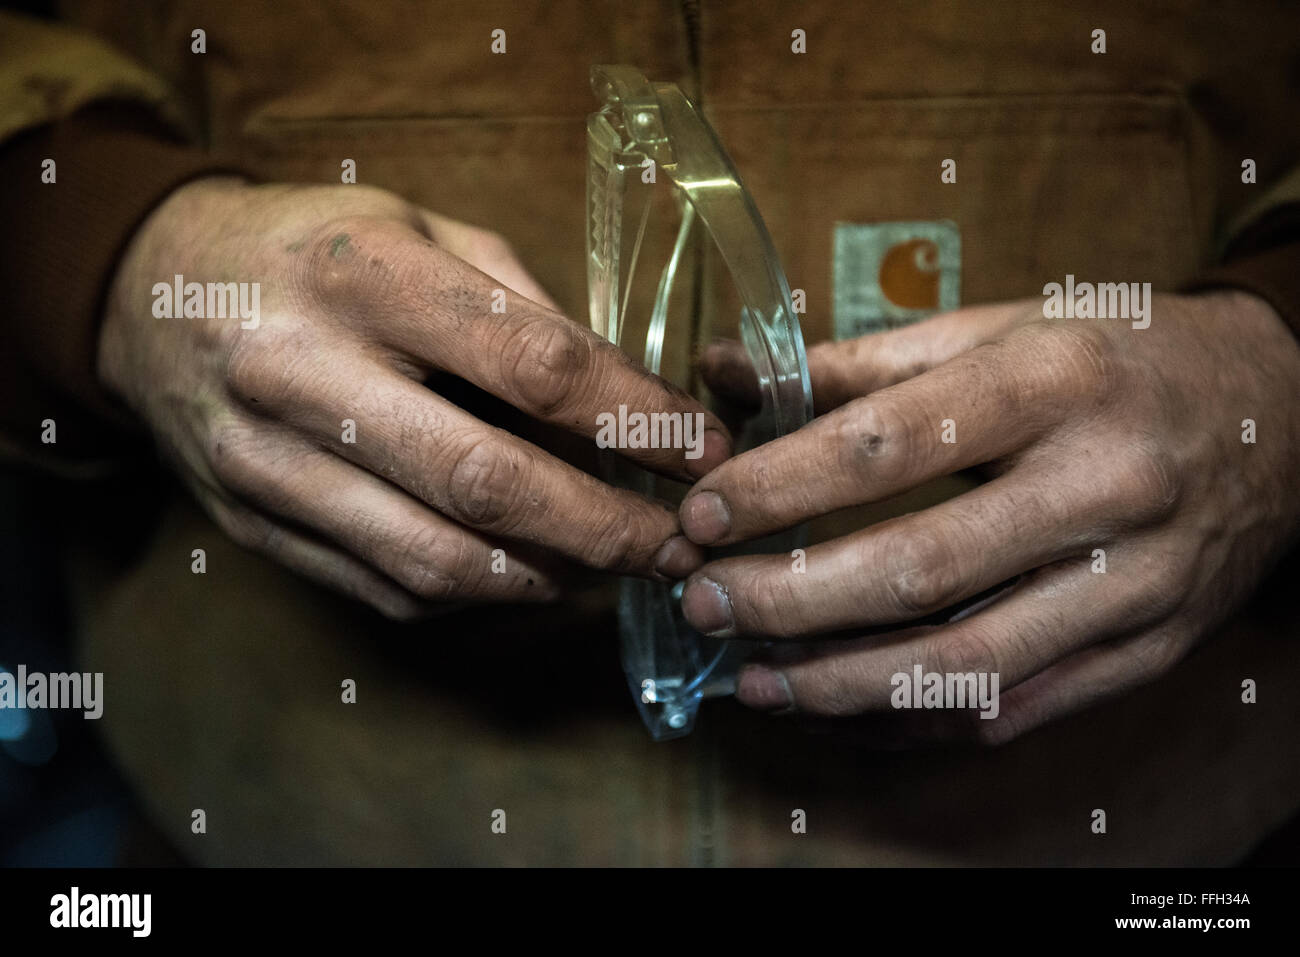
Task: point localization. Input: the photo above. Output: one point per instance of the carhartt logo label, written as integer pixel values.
(888, 275)
(1107, 300)
(952, 690)
(655, 430)
(74, 909)
(36, 691)
(213, 300)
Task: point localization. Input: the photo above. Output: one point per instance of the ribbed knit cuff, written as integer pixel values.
(59, 249)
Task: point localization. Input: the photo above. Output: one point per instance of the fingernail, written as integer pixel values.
(764, 689)
(705, 518)
(715, 448)
(678, 557)
(707, 608)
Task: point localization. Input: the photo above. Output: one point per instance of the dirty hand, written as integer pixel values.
(1128, 490)
(307, 434)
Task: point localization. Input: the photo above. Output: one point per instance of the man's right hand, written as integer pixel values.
(361, 296)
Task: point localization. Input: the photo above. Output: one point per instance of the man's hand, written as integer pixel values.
(361, 296)
(1101, 438)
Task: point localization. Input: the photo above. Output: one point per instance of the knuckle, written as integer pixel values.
(832, 690)
(1150, 482)
(770, 605)
(253, 366)
(622, 543)
(431, 567)
(247, 530)
(547, 360)
(921, 574)
(757, 476)
(1081, 355)
(1155, 654)
(270, 369)
(964, 651)
(872, 439)
(356, 257)
(1153, 596)
(485, 484)
(329, 269)
(431, 582)
(231, 456)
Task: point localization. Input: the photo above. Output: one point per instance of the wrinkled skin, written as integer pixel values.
(1097, 435)
(362, 297)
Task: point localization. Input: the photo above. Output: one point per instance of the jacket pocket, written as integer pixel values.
(1093, 185)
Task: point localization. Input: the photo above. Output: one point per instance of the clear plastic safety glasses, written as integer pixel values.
(653, 126)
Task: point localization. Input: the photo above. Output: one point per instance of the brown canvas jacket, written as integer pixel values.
(1117, 166)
